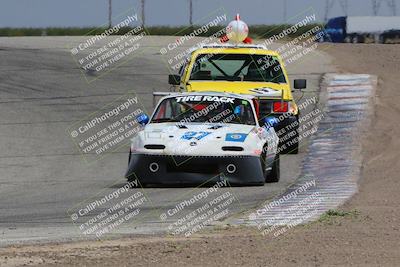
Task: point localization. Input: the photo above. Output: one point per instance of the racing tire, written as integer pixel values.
(291, 146)
(273, 175)
(129, 158)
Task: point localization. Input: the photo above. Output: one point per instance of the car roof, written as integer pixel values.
(227, 45)
(234, 49)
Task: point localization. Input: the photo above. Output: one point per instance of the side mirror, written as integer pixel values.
(142, 119)
(300, 84)
(174, 79)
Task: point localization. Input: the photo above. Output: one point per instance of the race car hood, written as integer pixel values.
(248, 88)
(196, 139)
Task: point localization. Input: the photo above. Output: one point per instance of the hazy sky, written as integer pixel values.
(79, 13)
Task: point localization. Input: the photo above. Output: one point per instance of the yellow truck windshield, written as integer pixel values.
(237, 67)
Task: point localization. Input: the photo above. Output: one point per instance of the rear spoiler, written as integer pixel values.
(280, 96)
(266, 96)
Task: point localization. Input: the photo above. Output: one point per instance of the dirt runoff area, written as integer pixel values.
(365, 232)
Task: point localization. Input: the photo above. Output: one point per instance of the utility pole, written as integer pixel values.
(284, 11)
(392, 6)
(375, 6)
(109, 13)
(191, 12)
(328, 7)
(143, 17)
(345, 6)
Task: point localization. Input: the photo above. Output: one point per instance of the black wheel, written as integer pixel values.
(358, 39)
(274, 174)
(291, 145)
(129, 158)
(271, 175)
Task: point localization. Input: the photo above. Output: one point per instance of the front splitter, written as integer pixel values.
(195, 170)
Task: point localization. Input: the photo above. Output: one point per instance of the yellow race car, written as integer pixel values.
(250, 70)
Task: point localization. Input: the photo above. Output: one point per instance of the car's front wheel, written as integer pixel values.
(289, 139)
(292, 144)
(271, 173)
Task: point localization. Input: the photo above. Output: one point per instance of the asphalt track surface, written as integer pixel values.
(43, 177)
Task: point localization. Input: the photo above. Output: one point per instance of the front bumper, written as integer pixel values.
(169, 170)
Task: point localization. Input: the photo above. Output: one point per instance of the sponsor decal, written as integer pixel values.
(204, 98)
(194, 135)
(266, 91)
(235, 137)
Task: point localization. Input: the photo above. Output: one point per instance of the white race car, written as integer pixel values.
(196, 138)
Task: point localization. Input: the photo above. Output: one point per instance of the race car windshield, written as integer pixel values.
(237, 67)
(204, 109)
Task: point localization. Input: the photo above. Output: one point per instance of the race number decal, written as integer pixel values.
(195, 135)
(266, 91)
